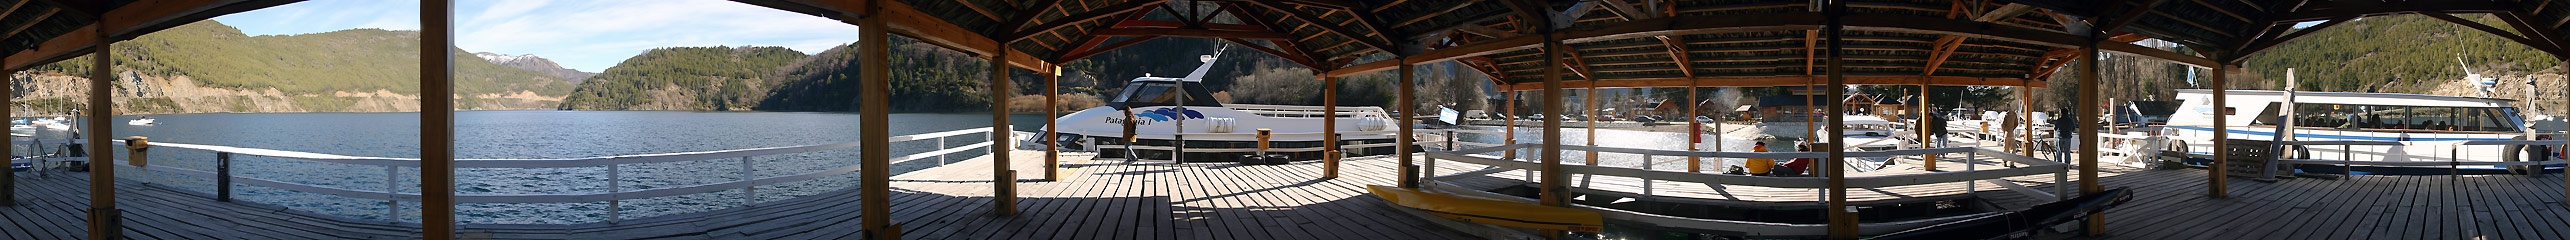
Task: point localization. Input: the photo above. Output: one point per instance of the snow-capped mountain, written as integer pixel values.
(531, 62)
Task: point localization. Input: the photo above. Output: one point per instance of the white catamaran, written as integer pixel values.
(1160, 111)
(2428, 128)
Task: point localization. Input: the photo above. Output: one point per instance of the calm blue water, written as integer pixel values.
(531, 135)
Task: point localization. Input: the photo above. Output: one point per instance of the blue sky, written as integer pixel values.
(588, 35)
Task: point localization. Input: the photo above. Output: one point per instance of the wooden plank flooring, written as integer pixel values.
(1121, 200)
(1094, 200)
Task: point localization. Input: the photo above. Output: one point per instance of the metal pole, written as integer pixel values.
(749, 194)
(222, 176)
(873, 124)
(392, 208)
(1408, 105)
(437, 120)
(615, 181)
(1002, 184)
(105, 220)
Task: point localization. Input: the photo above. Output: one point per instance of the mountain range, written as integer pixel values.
(530, 62)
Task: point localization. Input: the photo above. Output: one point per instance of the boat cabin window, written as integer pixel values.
(2426, 118)
(1159, 93)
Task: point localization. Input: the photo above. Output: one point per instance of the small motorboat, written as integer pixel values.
(145, 121)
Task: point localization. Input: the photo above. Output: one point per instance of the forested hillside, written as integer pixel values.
(210, 67)
(933, 79)
(2400, 53)
(684, 78)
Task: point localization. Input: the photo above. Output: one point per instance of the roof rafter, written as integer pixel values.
(1326, 26)
(1091, 15)
(2547, 47)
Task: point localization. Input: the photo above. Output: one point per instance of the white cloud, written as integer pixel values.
(589, 35)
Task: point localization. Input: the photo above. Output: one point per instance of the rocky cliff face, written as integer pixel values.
(531, 62)
(148, 94)
(2549, 90)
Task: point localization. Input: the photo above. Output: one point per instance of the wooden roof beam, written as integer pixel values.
(907, 21)
(2134, 15)
(1678, 52)
(1188, 32)
(1297, 58)
(1326, 26)
(1575, 64)
(1945, 47)
(2545, 46)
(2337, 9)
(13, 9)
(1624, 9)
(977, 8)
(2518, 21)
(40, 18)
(1425, 17)
(1077, 54)
(1091, 15)
(1811, 50)
(1770, 81)
(1686, 25)
(1013, 23)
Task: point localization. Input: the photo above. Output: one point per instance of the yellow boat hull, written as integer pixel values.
(1493, 212)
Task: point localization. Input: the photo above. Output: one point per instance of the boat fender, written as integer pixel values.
(1371, 123)
(2515, 153)
(1220, 125)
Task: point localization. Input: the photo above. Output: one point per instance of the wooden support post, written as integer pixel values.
(1927, 136)
(1554, 192)
(1511, 130)
(104, 219)
(1591, 96)
(1329, 126)
(1409, 107)
(2026, 112)
(1003, 184)
(2218, 184)
(1695, 130)
(437, 119)
(1842, 218)
(1052, 111)
(2088, 117)
(874, 126)
(9, 177)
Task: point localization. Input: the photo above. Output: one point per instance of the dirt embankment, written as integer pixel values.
(51, 92)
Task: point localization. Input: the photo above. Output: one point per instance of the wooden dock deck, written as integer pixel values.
(1118, 200)
(1095, 200)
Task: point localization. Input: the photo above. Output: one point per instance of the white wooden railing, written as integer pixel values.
(2026, 166)
(614, 195)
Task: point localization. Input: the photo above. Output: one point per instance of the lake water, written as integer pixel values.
(530, 135)
(575, 134)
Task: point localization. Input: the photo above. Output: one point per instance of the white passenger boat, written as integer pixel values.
(2426, 128)
(144, 121)
(1164, 111)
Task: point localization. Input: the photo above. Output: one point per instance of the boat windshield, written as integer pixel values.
(1158, 93)
(2430, 118)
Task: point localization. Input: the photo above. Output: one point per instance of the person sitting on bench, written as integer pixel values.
(1799, 166)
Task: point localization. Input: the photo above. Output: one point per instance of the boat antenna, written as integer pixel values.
(1208, 59)
(2486, 84)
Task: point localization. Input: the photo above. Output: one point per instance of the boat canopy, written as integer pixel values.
(1154, 91)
